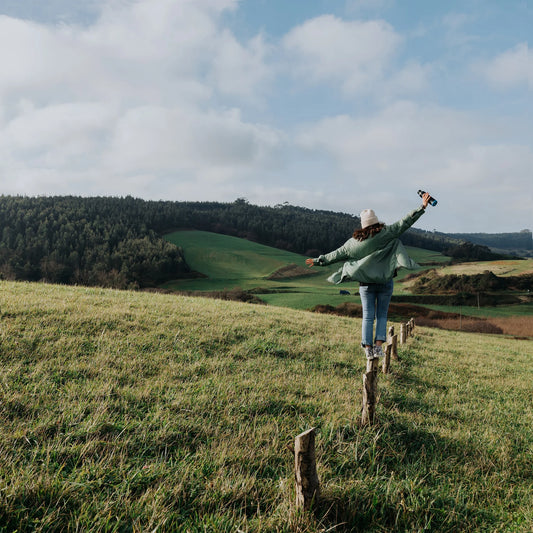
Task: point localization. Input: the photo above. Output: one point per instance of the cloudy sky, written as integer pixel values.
(326, 104)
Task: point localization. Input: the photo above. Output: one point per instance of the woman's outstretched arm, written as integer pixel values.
(353, 249)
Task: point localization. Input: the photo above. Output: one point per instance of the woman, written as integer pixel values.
(373, 254)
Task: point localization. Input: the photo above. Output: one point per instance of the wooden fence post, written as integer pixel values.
(307, 484)
(391, 333)
(394, 347)
(403, 333)
(386, 360)
(370, 391)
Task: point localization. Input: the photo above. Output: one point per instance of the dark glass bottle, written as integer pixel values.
(432, 200)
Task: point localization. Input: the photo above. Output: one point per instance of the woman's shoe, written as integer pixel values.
(378, 351)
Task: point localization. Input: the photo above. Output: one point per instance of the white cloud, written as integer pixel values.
(403, 136)
(144, 50)
(410, 80)
(386, 157)
(353, 53)
(456, 30)
(512, 68)
(241, 71)
(160, 99)
(130, 100)
(207, 146)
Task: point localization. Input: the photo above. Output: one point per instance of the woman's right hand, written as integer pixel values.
(425, 199)
(310, 262)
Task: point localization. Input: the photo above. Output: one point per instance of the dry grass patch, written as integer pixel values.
(519, 326)
(499, 268)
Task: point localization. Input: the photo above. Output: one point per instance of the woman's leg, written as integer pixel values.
(368, 302)
(383, 297)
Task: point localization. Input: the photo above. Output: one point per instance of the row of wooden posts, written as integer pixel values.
(306, 476)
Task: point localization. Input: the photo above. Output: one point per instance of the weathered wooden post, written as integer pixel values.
(391, 333)
(403, 333)
(370, 391)
(412, 325)
(394, 347)
(307, 484)
(386, 360)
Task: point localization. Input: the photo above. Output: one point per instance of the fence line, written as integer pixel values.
(306, 476)
(370, 377)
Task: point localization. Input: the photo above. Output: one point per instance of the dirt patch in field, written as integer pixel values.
(519, 327)
(290, 271)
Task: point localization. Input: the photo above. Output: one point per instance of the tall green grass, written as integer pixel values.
(124, 411)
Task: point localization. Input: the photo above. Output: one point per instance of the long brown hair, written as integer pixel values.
(363, 233)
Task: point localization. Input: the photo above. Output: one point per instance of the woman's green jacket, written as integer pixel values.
(376, 259)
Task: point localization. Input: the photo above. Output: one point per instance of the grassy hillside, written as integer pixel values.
(232, 260)
(125, 411)
(224, 258)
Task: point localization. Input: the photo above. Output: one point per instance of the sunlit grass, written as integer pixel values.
(125, 411)
(507, 267)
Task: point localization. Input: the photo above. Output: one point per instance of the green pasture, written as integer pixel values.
(230, 262)
(427, 258)
(501, 311)
(222, 257)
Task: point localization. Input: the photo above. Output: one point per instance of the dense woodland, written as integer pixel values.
(521, 240)
(118, 242)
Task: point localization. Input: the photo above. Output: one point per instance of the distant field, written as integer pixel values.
(509, 267)
(230, 262)
(427, 256)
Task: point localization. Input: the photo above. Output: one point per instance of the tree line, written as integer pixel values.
(118, 242)
(520, 240)
(89, 241)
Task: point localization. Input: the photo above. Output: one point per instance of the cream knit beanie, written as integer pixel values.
(368, 218)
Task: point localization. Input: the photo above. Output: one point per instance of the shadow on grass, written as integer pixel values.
(402, 477)
(406, 480)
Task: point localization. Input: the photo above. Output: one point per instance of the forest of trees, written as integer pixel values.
(88, 241)
(521, 240)
(118, 242)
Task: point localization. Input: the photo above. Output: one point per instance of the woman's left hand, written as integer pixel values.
(310, 262)
(425, 199)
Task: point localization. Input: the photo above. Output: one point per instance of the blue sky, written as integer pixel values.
(326, 104)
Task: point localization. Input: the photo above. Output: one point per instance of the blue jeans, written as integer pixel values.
(375, 299)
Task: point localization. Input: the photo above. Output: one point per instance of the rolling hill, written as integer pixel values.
(222, 257)
(129, 411)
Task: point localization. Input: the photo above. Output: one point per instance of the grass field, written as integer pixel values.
(508, 267)
(128, 411)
